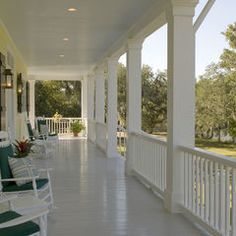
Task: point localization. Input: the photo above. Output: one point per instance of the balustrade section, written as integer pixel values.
(210, 189)
(62, 126)
(149, 159)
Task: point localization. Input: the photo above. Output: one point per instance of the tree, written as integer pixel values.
(210, 103)
(63, 97)
(228, 63)
(122, 108)
(154, 100)
(228, 57)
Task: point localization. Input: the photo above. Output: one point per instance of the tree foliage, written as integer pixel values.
(121, 77)
(216, 93)
(63, 97)
(210, 103)
(154, 98)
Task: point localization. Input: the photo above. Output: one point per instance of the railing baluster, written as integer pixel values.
(161, 167)
(185, 180)
(193, 184)
(212, 196)
(216, 196)
(206, 192)
(227, 202)
(201, 188)
(197, 186)
(222, 199)
(155, 165)
(190, 186)
(165, 156)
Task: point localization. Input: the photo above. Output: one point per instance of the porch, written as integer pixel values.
(92, 193)
(94, 197)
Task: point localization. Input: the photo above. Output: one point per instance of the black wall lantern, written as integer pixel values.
(19, 91)
(7, 82)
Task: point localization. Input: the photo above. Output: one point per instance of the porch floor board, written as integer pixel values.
(94, 198)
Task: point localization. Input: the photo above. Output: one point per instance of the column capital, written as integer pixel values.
(91, 76)
(112, 62)
(99, 70)
(182, 8)
(190, 3)
(135, 44)
(31, 81)
(113, 59)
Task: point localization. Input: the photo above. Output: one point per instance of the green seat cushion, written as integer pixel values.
(25, 187)
(40, 122)
(6, 173)
(24, 229)
(30, 131)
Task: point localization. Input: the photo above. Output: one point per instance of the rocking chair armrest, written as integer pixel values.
(43, 136)
(7, 198)
(24, 218)
(45, 169)
(17, 179)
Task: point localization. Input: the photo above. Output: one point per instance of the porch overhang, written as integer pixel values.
(99, 29)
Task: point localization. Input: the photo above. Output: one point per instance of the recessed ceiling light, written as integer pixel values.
(61, 55)
(71, 9)
(65, 39)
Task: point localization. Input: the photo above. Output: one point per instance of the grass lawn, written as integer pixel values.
(227, 149)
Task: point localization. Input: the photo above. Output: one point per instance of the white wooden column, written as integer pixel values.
(181, 95)
(32, 102)
(90, 100)
(84, 102)
(84, 84)
(112, 108)
(10, 114)
(90, 97)
(134, 57)
(100, 95)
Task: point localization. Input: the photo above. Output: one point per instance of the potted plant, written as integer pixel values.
(22, 148)
(77, 127)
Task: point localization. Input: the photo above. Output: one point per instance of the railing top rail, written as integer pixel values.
(221, 159)
(150, 137)
(64, 118)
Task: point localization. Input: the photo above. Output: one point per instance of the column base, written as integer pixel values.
(172, 201)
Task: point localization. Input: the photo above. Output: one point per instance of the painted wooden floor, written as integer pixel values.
(94, 198)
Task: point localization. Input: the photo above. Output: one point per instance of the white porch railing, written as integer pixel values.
(149, 160)
(62, 126)
(210, 190)
(101, 136)
(121, 140)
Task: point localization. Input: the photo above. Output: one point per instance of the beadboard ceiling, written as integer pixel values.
(38, 28)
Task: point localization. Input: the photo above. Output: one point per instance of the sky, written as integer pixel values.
(210, 43)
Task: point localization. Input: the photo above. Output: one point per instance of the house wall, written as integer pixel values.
(14, 120)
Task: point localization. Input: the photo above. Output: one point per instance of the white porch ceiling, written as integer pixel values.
(94, 31)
